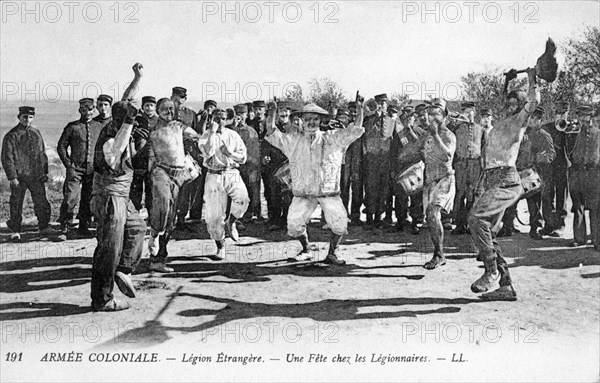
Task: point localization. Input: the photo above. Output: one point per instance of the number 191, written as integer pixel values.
(14, 357)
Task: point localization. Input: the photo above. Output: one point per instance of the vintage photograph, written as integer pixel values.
(303, 191)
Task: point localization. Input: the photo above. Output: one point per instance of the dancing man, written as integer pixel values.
(499, 188)
(315, 161)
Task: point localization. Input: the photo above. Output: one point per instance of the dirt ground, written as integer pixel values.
(378, 308)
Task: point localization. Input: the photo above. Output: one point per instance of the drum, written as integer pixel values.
(411, 180)
(531, 181)
(192, 167)
(283, 176)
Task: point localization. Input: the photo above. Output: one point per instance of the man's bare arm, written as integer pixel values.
(133, 87)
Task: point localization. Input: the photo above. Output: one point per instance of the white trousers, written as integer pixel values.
(216, 190)
(302, 208)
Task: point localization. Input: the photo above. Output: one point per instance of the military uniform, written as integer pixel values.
(539, 205)
(467, 166)
(556, 183)
(24, 159)
(584, 184)
(377, 140)
(352, 177)
(76, 151)
(141, 186)
(279, 199)
(250, 170)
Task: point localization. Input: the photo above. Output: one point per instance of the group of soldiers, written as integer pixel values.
(185, 166)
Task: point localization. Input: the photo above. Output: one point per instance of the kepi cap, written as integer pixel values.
(180, 91)
(105, 97)
(381, 97)
(208, 103)
(87, 102)
(30, 110)
(241, 108)
(147, 99)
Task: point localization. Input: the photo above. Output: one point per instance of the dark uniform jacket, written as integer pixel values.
(559, 140)
(469, 140)
(24, 153)
(81, 137)
(378, 135)
(140, 161)
(534, 143)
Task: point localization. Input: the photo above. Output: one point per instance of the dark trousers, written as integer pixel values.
(584, 185)
(409, 205)
(467, 172)
(352, 179)
(251, 178)
(120, 237)
(557, 186)
(77, 189)
(376, 181)
(280, 202)
(191, 198)
(540, 208)
(141, 188)
(41, 207)
(165, 195)
(497, 190)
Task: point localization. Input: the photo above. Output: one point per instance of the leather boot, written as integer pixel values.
(489, 277)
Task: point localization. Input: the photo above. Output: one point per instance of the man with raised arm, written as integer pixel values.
(499, 188)
(315, 162)
(121, 229)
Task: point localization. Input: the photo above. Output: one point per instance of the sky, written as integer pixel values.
(68, 50)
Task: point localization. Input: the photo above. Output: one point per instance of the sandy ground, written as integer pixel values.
(381, 304)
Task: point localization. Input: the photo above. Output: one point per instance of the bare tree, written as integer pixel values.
(326, 93)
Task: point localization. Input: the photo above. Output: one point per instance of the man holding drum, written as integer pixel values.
(405, 152)
(439, 188)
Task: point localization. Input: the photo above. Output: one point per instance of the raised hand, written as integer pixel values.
(137, 69)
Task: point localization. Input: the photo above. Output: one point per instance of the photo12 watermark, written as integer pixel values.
(454, 12)
(53, 12)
